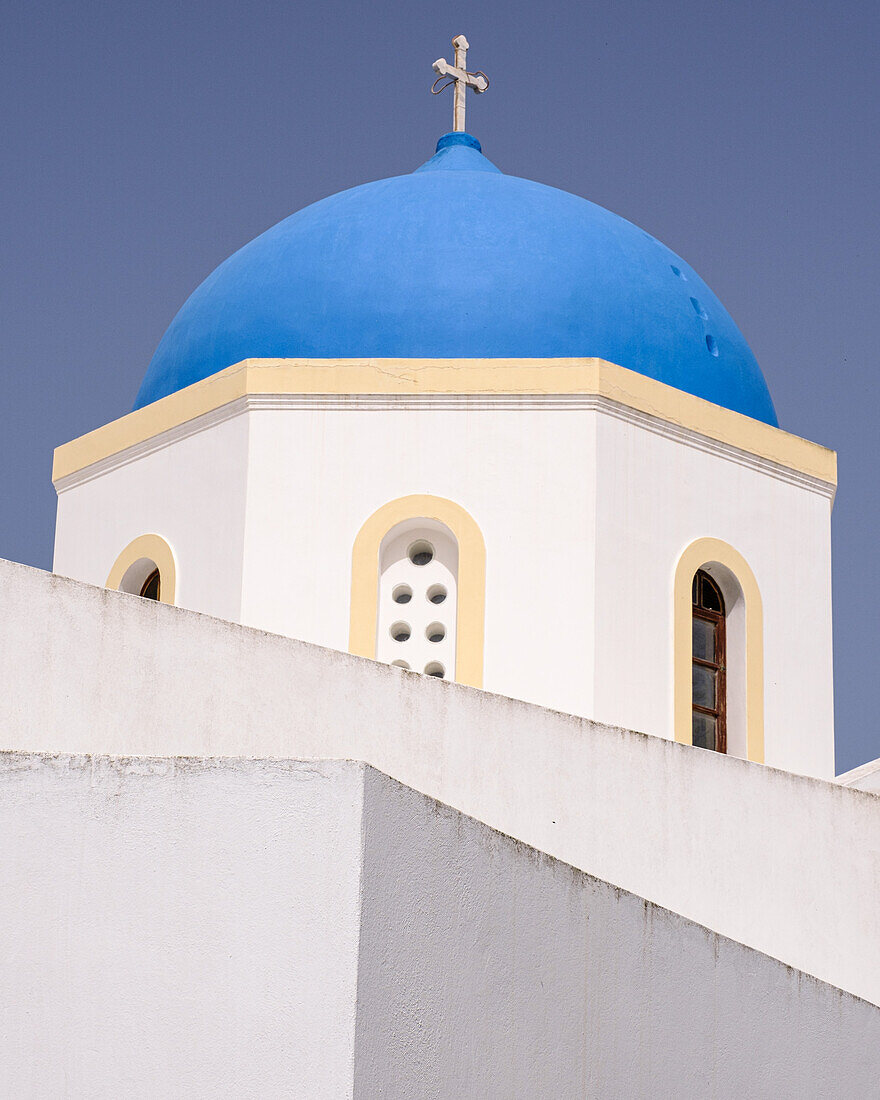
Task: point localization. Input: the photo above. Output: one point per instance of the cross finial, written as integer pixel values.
(461, 78)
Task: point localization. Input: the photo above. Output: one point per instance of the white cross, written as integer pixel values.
(461, 78)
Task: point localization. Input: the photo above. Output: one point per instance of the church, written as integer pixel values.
(433, 695)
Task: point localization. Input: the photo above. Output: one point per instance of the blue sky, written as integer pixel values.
(143, 143)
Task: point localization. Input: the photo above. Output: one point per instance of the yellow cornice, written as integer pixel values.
(358, 377)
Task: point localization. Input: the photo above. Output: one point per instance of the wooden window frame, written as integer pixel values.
(719, 665)
(154, 575)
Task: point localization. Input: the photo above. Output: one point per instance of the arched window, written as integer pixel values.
(709, 664)
(426, 611)
(146, 567)
(735, 614)
(418, 597)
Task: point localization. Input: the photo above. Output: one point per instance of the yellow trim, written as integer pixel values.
(448, 376)
(698, 554)
(156, 549)
(471, 578)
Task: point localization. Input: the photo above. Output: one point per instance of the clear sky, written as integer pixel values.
(143, 143)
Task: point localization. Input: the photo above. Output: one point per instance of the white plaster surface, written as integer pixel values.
(584, 512)
(178, 928)
(191, 491)
(864, 778)
(783, 863)
(241, 928)
(488, 970)
(655, 497)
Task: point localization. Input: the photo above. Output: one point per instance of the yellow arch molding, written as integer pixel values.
(156, 549)
(471, 579)
(700, 553)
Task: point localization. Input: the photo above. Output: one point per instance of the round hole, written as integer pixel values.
(400, 664)
(435, 669)
(437, 593)
(421, 552)
(402, 594)
(400, 632)
(436, 632)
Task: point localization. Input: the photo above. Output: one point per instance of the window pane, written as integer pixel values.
(704, 687)
(704, 731)
(710, 597)
(695, 589)
(704, 640)
(150, 589)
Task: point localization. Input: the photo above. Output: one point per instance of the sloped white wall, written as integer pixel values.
(488, 970)
(780, 862)
(267, 928)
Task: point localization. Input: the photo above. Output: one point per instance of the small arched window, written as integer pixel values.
(440, 598)
(146, 567)
(418, 597)
(709, 672)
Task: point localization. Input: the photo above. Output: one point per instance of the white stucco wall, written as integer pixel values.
(584, 516)
(527, 479)
(779, 862)
(178, 928)
(191, 490)
(655, 496)
(242, 928)
(488, 970)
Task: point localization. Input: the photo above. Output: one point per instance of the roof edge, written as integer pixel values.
(486, 377)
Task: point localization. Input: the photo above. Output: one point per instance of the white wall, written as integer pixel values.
(779, 862)
(526, 479)
(487, 970)
(584, 517)
(191, 491)
(178, 929)
(657, 495)
(864, 778)
(242, 928)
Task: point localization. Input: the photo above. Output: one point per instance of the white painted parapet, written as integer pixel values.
(864, 778)
(277, 928)
(779, 862)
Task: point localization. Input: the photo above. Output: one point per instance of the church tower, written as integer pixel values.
(485, 430)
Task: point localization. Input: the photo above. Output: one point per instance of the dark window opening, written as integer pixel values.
(151, 587)
(709, 673)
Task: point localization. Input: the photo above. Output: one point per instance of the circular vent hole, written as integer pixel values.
(400, 632)
(436, 632)
(421, 552)
(437, 593)
(400, 664)
(435, 669)
(402, 594)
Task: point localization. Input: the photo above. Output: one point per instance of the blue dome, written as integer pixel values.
(458, 260)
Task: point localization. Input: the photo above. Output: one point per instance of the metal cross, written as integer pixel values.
(461, 78)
